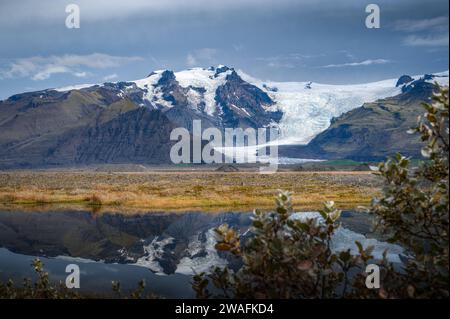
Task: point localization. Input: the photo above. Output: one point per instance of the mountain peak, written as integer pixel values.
(166, 77)
(157, 72)
(404, 79)
(220, 68)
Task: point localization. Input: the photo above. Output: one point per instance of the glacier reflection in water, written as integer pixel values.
(165, 248)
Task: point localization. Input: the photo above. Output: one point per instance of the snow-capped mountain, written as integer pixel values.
(216, 95)
(130, 122)
(307, 107)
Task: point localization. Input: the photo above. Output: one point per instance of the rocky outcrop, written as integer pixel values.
(138, 136)
(244, 105)
(171, 90)
(404, 79)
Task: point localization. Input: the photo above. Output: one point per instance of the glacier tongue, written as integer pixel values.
(307, 112)
(309, 107)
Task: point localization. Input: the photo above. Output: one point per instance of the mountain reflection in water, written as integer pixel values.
(104, 245)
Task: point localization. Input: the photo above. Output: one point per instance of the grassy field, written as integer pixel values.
(184, 190)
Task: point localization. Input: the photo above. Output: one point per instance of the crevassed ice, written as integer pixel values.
(308, 111)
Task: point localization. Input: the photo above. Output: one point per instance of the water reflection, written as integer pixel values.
(157, 241)
(128, 246)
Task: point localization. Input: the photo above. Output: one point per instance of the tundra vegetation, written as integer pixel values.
(211, 191)
(286, 257)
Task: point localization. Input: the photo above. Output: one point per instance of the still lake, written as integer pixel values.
(165, 249)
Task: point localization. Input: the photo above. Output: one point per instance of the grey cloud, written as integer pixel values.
(289, 61)
(110, 77)
(48, 11)
(42, 68)
(362, 63)
(427, 41)
(432, 32)
(203, 56)
(432, 24)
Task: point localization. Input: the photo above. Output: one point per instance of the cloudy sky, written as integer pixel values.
(284, 40)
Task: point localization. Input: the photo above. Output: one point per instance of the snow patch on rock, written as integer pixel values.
(190, 264)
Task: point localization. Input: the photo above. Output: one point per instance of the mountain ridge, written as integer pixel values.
(104, 123)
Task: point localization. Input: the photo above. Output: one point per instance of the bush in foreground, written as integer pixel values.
(289, 258)
(42, 288)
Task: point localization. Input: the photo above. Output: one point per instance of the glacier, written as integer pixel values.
(307, 107)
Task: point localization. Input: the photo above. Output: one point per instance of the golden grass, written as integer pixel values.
(185, 191)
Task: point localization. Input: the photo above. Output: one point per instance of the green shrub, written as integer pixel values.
(284, 258)
(289, 258)
(42, 288)
(414, 209)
